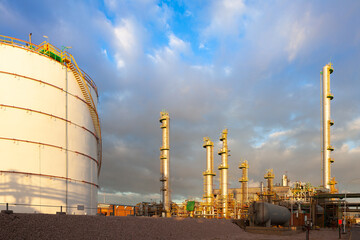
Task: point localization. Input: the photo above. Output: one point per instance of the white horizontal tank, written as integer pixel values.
(50, 140)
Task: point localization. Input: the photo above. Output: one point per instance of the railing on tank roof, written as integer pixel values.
(17, 42)
(44, 48)
(90, 81)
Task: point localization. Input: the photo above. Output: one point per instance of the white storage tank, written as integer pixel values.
(50, 140)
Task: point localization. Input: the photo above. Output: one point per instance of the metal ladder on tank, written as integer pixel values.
(70, 62)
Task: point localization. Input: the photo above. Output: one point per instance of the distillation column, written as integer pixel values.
(223, 152)
(327, 96)
(165, 162)
(244, 166)
(284, 181)
(269, 176)
(208, 177)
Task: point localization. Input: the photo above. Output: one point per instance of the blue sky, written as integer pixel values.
(250, 66)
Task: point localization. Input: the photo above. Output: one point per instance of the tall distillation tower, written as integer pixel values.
(165, 162)
(327, 96)
(244, 166)
(208, 178)
(223, 152)
(269, 176)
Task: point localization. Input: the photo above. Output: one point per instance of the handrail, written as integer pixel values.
(86, 87)
(37, 48)
(90, 81)
(92, 108)
(51, 47)
(17, 42)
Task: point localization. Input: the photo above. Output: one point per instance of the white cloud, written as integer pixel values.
(119, 62)
(178, 44)
(125, 36)
(127, 42)
(227, 71)
(354, 125)
(297, 33)
(172, 51)
(273, 138)
(348, 132)
(258, 144)
(349, 148)
(111, 4)
(208, 70)
(297, 38)
(280, 133)
(188, 13)
(103, 51)
(225, 16)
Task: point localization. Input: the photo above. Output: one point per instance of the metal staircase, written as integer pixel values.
(72, 65)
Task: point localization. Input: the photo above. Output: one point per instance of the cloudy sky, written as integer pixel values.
(249, 66)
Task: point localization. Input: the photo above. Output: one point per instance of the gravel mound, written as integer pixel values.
(44, 226)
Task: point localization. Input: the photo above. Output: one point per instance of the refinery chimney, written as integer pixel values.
(223, 152)
(208, 177)
(244, 166)
(327, 96)
(165, 162)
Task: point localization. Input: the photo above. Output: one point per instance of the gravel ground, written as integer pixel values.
(43, 226)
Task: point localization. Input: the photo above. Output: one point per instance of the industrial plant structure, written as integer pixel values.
(327, 96)
(244, 166)
(50, 146)
(269, 176)
(165, 162)
(208, 179)
(223, 167)
(274, 204)
(50, 137)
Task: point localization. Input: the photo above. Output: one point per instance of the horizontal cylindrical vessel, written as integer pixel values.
(50, 148)
(263, 213)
